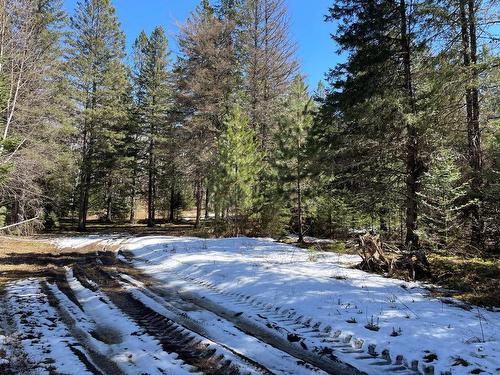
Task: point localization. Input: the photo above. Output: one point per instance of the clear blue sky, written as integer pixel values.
(316, 51)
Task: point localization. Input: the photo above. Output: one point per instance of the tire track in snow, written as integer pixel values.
(193, 349)
(325, 361)
(311, 337)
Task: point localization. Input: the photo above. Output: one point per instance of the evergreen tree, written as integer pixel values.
(292, 146)
(95, 69)
(374, 94)
(153, 95)
(442, 195)
(207, 83)
(269, 64)
(237, 168)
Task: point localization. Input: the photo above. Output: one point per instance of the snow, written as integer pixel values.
(324, 287)
(136, 352)
(44, 337)
(225, 332)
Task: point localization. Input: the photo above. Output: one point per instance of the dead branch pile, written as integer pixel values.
(384, 258)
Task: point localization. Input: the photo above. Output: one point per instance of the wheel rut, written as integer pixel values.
(300, 336)
(193, 349)
(325, 361)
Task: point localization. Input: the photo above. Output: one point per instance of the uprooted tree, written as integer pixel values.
(382, 257)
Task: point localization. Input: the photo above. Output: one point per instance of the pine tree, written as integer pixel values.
(94, 67)
(237, 168)
(110, 150)
(269, 64)
(153, 94)
(207, 84)
(292, 146)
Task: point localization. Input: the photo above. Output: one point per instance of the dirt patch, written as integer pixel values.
(18, 257)
(22, 257)
(107, 335)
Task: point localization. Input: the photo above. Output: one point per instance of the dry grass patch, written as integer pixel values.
(17, 257)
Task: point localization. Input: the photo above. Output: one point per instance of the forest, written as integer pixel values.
(402, 138)
(188, 202)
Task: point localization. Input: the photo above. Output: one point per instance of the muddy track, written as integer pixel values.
(191, 348)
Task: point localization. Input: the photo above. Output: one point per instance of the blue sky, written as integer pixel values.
(316, 51)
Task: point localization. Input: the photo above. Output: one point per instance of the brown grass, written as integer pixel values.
(13, 261)
(22, 257)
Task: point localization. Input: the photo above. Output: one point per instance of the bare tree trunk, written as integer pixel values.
(199, 202)
(86, 169)
(299, 210)
(151, 182)
(172, 204)
(109, 200)
(85, 176)
(207, 202)
(84, 196)
(469, 50)
(132, 195)
(413, 170)
(299, 194)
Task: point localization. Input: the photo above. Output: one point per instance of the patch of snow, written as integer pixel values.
(136, 352)
(225, 332)
(45, 339)
(324, 287)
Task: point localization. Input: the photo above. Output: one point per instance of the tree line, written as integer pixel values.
(404, 137)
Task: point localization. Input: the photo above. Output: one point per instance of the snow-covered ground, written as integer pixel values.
(46, 342)
(390, 313)
(48, 345)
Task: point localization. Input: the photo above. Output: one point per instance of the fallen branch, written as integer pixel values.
(370, 249)
(20, 223)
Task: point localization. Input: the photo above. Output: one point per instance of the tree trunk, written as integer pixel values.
(469, 50)
(84, 196)
(109, 200)
(85, 175)
(207, 202)
(299, 198)
(412, 167)
(299, 211)
(199, 203)
(171, 217)
(132, 195)
(86, 169)
(151, 182)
